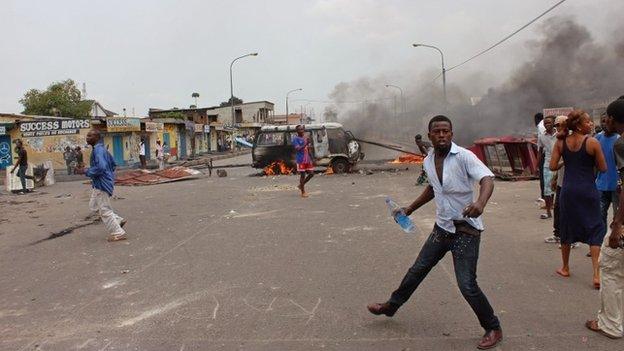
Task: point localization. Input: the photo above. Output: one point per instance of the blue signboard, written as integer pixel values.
(6, 157)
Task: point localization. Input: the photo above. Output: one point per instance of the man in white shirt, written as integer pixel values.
(452, 171)
(142, 152)
(545, 143)
(539, 125)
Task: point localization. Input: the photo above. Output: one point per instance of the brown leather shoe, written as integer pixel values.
(490, 339)
(385, 308)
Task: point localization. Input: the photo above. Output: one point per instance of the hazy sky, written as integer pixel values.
(141, 54)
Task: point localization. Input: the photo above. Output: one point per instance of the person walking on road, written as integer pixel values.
(580, 219)
(452, 172)
(70, 160)
(102, 173)
(160, 155)
(557, 183)
(606, 182)
(142, 153)
(79, 159)
(545, 143)
(305, 166)
(22, 165)
(423, 147)
(609, 320)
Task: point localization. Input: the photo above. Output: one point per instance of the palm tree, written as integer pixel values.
(195, 96)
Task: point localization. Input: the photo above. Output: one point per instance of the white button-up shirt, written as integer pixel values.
(462, 169)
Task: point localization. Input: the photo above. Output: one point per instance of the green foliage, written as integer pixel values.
(237, 101)
(173, 114)
(59, 99)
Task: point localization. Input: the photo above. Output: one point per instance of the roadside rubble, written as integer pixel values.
(146, 177)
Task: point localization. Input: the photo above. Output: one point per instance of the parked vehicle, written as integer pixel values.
(332, 146)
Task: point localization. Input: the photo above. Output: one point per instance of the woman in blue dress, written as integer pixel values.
(580, 219)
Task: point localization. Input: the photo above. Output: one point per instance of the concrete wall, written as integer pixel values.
(50, 148)
(252, 112)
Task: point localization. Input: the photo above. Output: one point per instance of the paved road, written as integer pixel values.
(244, 263)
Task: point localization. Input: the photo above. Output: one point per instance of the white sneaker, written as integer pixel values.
(552, 240)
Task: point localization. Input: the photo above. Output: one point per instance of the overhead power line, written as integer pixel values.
(507, 37)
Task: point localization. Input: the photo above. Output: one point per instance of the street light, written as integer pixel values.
(401, 90)
(443, 67)
(232, 87)
(288, 93)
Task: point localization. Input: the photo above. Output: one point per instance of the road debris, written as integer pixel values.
(145, 177)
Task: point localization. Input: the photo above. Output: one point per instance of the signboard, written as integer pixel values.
(154, 126)
(207, 128)
(190, 126)
(557, 111)
(2, 130)
(51, 128)
(123, 124)
(199, 128)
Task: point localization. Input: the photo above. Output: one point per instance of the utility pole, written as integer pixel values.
(443, 68)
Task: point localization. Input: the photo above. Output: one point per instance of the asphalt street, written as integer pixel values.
(244, 263)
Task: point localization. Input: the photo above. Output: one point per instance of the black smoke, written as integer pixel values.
(567, 67)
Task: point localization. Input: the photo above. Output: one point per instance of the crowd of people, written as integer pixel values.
(581, 172)
(581, 176)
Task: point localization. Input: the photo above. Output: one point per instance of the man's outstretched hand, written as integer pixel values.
(473, 210)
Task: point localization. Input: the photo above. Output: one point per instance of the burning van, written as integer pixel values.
(333, 147)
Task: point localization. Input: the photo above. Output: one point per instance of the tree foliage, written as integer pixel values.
(59, 99)
(237, 101)
(173, 114)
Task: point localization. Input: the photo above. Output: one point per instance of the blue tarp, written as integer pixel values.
(243, 142)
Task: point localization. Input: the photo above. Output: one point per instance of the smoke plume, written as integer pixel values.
(567, 67)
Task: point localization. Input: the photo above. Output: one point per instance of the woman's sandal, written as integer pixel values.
(593, 326)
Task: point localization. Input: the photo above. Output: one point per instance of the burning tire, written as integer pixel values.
(340, 165)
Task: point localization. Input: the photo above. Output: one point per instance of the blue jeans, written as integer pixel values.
(465, 250)
(608, 198)
(21, 173)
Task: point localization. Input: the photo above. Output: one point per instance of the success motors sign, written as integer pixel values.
(51, 128)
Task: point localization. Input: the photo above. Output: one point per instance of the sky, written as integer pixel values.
(147, 53)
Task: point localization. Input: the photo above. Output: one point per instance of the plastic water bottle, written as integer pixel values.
(400, 217)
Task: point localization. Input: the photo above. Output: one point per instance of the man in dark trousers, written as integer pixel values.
(423, 147)
(452, 171)
(22, 163)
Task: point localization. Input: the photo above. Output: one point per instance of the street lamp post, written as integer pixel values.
(402, 98)
(443, 67)
(288, 93)
(232, 87)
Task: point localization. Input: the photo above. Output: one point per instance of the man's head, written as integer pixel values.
(418, 138)
(603, 121)
(18, 143)
(67, 148)
(440, 132)
(77, 148)
(93, 137)
(157, 142)
(615, 116)
(538, 118)
(549, 124)
(561, 125)
(300, 130)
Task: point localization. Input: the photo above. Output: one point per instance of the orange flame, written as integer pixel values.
(278, 167)
(409, 158)
(329, 170)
